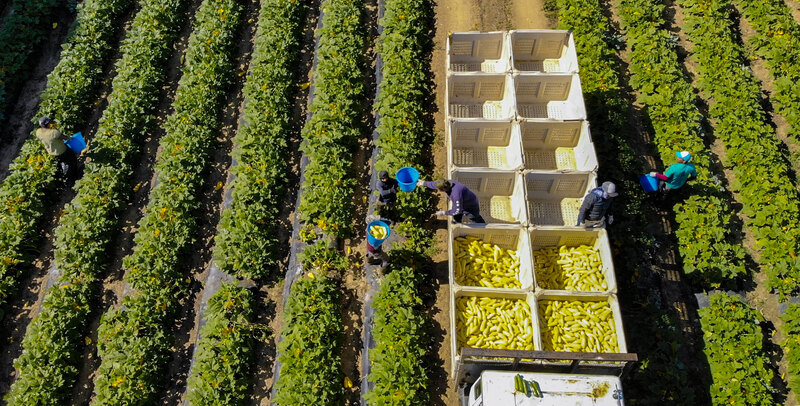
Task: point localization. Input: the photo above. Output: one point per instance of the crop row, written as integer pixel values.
(704, 219)
(134, 340)
(221, 370)
(791, 345)
(608, 112)
(777, 40)
(91, 219)
(70, 88)
(332, 134)
(770, 202)
(311, 336)
(399, 328)
(246, 242)
(734, 348)
(22, 32)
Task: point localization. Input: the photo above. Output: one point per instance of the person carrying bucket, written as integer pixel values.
(377, 232)
(677, 174)
(53, 141)
(464, 200)
(595, 210)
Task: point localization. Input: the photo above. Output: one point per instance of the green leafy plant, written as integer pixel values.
(791, 344)
(246, 241)
(740, 369)
(331, 135)
(400, 334)
(704, 222)
(769, 200)
(91, 219)
(221, 372)
(310, 371)
(134, 339)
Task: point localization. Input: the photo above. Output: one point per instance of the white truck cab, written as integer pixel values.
(504, 388)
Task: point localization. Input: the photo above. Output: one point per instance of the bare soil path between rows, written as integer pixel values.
(33, 281)
(24, 104)
(454, 16)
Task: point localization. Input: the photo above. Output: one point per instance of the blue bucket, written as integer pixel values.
(375, 242)
(407, 178)
(649, 183)
(76, 143)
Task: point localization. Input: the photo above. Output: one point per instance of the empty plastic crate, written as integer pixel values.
(516, 239)
(500, 194)
(554, 199)
(478, 52)
(597, 239)
(484, 144)
(480, 95)
(551, 51)
(557, 145)
(553, 96)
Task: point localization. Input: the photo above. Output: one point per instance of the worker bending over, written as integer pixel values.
(677, 174)
(596, 207)
(53, 141)
(464, 200)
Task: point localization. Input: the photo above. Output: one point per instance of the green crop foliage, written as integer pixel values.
(134, 340)
(54, 341)
(733, 339)
(246, 243)
(310, 348)
(330, 137)
(791, 344)
(22, 32)
(704, 219)
(221, 372)
(31, 174)
(777, 40)
(769, 199)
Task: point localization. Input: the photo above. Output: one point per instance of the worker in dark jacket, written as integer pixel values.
(464, 201)
(387, 187)
(596, 208)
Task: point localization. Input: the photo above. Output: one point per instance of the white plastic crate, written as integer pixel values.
(613, 303)
(550, 145)
(478, 52)
(549, 96)
(484, 144)
(500, 194)
(596, 238)
(487, 96)
(528, 297)
(516, 239)
(551, 51)
(554, 199)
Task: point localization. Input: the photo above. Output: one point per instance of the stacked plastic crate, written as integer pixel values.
(517, 136)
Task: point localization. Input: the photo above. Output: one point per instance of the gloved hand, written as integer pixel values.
(420, 182)
(579, 224)
(440, 213)
(653, 174)
(610, 219)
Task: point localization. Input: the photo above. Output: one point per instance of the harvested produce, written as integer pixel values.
(486, 322)
(577, 326)
(569, 268)
(478, 263)
(378, 232)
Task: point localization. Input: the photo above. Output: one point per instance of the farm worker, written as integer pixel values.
(464, 201)
(53, 141)
(387, 187)
(596, 208)
(677, 174)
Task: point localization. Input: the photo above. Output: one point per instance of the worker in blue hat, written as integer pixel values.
(677, 174)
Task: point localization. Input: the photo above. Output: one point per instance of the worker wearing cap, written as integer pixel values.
(595, 210)
(677, 174)
(387, 189)
(464, 200)
(53, 141)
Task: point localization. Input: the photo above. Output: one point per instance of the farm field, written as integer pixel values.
(213, 248)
